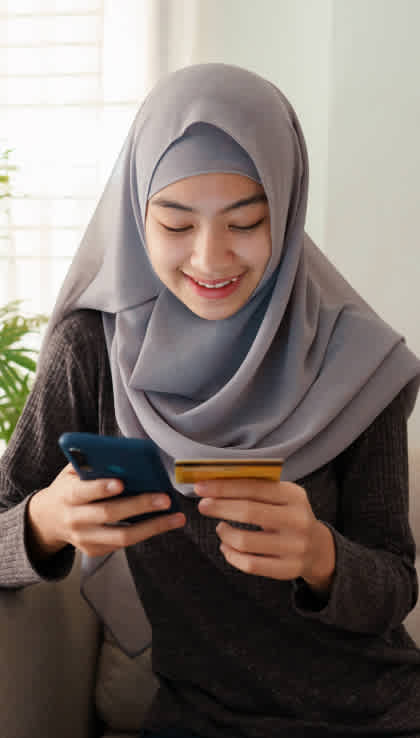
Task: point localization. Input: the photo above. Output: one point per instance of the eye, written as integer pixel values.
(248, 228)
(176, 230)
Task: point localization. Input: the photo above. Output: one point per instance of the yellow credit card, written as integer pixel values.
(197, 470)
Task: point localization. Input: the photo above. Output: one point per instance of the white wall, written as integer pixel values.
(351, 70)
(373, 184)
(287, 41)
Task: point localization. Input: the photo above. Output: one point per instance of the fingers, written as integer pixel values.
(262, 554)
(83, 491)
(261, 542)
(108, 512)
(267, 516)
(102, 540)
(263, 566)
(263, 490)
(91, 517)
(93, 528)
(129, 535)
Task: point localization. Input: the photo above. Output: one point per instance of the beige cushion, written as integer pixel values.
(414, 461)
(412, 622)
(124, 688)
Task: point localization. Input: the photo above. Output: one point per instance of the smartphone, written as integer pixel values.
(196, 470)
(135, 461)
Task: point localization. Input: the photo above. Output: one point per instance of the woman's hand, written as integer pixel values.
(83, 513)
(292, 543)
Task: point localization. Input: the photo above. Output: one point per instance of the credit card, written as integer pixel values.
(197, 470)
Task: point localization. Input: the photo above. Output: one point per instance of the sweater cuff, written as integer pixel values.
(359, 585)
(17, 567)
(308, 603)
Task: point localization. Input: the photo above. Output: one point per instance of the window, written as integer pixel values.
(71, 79)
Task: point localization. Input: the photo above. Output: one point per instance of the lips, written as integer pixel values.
(213, 290)
(221, 280)
(218, 285)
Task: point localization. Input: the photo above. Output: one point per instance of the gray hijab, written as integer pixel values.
(298, 372)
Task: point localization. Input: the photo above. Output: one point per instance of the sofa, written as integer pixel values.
(62, 673)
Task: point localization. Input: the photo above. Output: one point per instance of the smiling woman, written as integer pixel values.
(285, 361)
(208, 240)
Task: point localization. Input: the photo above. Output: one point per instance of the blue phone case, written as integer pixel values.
(135, 461)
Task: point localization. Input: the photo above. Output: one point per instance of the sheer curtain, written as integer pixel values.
(72, 75)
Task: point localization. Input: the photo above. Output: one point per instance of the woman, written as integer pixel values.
(198, 313)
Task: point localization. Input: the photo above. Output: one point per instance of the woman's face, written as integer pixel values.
(210, 228)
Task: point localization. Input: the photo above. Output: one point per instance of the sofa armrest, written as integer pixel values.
(49, 652)
(412, 621)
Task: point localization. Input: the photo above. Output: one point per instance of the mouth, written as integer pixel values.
(214, 288)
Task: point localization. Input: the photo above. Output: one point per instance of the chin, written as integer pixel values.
(220, 314)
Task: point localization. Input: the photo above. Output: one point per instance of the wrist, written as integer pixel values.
(40, 541)
(320, 573)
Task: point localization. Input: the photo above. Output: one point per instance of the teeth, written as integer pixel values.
(219, 284)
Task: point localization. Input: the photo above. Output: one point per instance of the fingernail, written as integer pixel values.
(205, 502)
(113, 486)
(200, 488)
(160, 502)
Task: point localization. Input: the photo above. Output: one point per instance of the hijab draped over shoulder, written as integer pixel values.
(299, 372)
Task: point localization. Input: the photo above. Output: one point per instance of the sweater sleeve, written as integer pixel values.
(63, 398)
(375, 582)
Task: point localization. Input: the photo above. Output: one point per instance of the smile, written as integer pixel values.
(215, 285)
(214, 288)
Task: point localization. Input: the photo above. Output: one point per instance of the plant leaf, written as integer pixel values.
(18, 357)
(8, 382)
(16, 365)
(10, 412)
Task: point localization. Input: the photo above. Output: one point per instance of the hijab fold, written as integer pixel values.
(299, 372)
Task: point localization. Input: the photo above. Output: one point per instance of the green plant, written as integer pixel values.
(17, 368)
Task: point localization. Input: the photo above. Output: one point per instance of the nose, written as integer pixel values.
(211, 254)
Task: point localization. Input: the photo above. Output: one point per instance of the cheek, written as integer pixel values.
(258, 253)
(163, 253)
(154, 244)
(266, 249)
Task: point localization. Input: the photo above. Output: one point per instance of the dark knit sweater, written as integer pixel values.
(236, 654)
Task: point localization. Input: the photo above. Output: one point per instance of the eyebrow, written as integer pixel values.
(164, 203)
